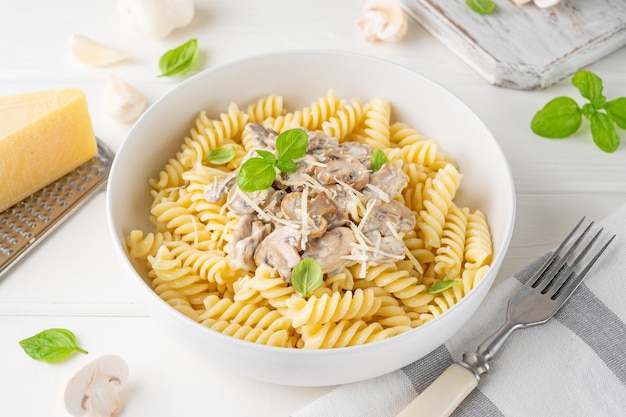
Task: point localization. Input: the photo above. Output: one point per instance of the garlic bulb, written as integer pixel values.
(93, 53)
(155, 19)
(122, 101)
(384, 21)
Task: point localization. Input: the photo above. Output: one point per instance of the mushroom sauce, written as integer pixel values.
(333, 208)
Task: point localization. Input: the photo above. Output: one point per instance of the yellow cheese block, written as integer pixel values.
(43, 136)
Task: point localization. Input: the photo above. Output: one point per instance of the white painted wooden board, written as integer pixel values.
(526, 47)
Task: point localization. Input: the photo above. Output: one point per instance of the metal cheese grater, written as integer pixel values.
(28, 222)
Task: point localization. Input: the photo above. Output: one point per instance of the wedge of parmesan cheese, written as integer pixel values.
(43, 136)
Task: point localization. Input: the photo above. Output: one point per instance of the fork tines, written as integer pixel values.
(554, 275)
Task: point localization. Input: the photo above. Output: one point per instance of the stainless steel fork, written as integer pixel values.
(534, 303)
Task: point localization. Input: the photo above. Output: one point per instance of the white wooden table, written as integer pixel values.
(73, 280)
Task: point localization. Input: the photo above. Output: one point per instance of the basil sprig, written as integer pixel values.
(441, 286)
(51, 345)
(259, 173)
(481, 6)
(378, 159)
(306, 276)
(180, 60)
(561, 117)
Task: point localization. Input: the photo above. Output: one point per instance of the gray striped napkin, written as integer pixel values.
(574, 365)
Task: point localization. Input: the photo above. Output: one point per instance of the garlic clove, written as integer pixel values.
(521, 2)
(546, 3)
(123, 102)
(384, 20)
(155, 19)
(93, 53)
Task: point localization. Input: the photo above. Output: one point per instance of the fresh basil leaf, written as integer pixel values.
(267, 156)
(603, 132)
(51, 345)
(306, 276)
(481, 6)
(180, 60)
(292, 144)
(286, 165)
(255, 174)
(590, 87)
(379, 158)
(560, 118)
(441, 286)
(222, 155)
(617, 110)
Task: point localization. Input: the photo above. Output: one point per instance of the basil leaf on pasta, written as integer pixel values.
(222, 155)
(441, 286)
(255, 174)
(378, 159)
(306, 276)
(292, 144)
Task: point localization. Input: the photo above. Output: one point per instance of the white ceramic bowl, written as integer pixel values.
(302, 77)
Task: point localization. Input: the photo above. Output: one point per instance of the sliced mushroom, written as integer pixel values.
(272, 204)
(342, 167)
(279, 250)
(93, 391)
(318, 140)
(389, 248)
(318, 207)
(247, 235)
(262, 138)
(393, 213)
(215, 192)
(330, 248)
(295, 180)
(238, 200)
(389, 179)
(361, 151)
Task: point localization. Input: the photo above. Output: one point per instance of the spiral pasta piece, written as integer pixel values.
(270, 337)
(450, 255)
(342, 334)
(211, 133)
(478, 246)
(349, 305)
(438, 195)
(271, 287)
(140, 246)
(311, 117)
(266, 107)
(374, 129)
(345, 121)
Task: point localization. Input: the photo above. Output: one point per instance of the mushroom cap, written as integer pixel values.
(108, 367)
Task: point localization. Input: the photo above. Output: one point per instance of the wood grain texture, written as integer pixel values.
(526, 47)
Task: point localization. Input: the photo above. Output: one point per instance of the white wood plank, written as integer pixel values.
(526, 47)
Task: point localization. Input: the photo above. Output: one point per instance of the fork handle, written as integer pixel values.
(444, 395)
